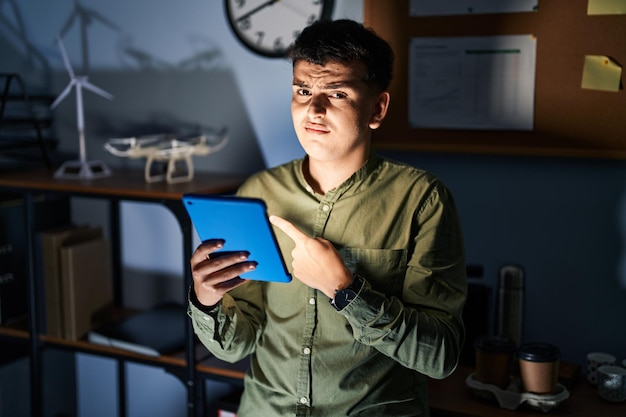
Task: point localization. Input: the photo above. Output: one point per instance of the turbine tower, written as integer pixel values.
(81, 169)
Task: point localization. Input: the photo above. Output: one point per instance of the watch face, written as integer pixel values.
(269, 27)
(345, 296)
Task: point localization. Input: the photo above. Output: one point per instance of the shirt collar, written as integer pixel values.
(370, 165)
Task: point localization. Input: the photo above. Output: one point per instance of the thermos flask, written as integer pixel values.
(510, 303)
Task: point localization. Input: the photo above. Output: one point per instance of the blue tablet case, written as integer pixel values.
(244, 225)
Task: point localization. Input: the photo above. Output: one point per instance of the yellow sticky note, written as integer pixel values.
(606, 7)
(601, 73)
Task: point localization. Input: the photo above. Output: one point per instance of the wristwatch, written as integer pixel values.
(344, 296)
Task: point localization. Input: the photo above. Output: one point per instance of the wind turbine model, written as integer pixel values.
(81, 169)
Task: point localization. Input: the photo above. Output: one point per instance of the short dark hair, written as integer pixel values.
(345, 41)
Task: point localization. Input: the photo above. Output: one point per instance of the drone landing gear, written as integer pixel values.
(82, 170)
(179, 169)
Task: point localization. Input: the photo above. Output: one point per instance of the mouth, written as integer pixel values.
(316, 128)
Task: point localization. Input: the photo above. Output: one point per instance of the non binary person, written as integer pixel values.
(375, 249)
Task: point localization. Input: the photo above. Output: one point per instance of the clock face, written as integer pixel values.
(269, 27)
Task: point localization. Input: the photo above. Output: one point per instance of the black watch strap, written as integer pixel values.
(345, 296)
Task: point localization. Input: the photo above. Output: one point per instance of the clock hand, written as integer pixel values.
(253, 11)
(295, 9)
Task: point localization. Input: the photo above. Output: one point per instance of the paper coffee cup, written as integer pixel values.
(494, 357)
(539, 367)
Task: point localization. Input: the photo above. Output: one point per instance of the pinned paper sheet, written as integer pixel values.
(601, 73)
(606, 7)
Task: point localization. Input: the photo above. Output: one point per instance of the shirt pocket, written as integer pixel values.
(384, 269)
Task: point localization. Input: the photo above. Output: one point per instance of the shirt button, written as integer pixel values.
(306, 350)
(312, 301)
(325, 207)
(304, 400)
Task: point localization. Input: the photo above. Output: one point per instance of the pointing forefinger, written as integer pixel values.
(290, 230)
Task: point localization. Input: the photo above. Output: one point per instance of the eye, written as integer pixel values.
(303, 92)
(338, 94)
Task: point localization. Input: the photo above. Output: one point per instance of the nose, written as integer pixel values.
(317, 106)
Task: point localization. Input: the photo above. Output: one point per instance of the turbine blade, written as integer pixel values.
(61, 96)
(97, 90)
(66, 60)
(68, 24)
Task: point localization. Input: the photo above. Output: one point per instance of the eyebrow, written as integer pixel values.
(329, 86)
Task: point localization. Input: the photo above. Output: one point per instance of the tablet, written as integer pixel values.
(244, 225)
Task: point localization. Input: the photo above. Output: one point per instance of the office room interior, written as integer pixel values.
(177, 67)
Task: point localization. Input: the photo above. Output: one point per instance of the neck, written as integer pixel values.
(328, 175)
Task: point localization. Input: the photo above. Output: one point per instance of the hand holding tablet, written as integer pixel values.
(243, 224)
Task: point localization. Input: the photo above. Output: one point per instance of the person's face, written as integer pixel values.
(333, 110)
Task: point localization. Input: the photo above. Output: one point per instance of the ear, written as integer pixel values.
(380, 110)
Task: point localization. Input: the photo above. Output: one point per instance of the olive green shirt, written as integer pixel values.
(397, 227)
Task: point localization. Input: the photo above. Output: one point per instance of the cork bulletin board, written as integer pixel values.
(568, 120)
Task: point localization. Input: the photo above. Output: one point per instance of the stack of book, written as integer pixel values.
(79, 297)
(78, 280)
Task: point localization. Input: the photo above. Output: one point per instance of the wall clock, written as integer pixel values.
(269, 27)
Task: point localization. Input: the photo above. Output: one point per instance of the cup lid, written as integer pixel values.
(601, 357)
(539, 352)
(612, 370)
(495, 344)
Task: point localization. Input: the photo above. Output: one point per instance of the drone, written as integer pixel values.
(165, 148)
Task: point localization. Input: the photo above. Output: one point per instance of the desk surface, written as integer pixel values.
(451, 397)
(122, 183)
